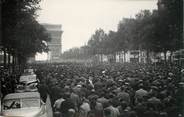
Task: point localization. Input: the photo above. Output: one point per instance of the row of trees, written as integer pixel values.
(151, 31)
(22, 35)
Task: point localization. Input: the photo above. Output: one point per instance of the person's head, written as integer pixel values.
(123, 105)
(141, 86)
(66, 95)
(115, 102)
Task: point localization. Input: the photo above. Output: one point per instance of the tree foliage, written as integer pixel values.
(151, 31)
(23, 36)
(96, 43)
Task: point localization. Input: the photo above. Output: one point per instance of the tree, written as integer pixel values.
(110, 43)
(145, 31)
(170, 25)
(173, 10)
(151, 31)
(126, 39)
(23, 36)
(96, 43)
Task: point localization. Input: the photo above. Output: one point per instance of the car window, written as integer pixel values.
(30, 102)
(12, 104)
(21, 103)
(27, 78)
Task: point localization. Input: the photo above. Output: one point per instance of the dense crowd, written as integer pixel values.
(112, 90)
(8, 80)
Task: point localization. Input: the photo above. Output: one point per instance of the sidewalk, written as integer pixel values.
(49, 107)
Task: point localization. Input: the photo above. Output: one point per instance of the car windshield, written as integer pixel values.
(27, 78)
(21, 103)
(12, 104)
(30, 102)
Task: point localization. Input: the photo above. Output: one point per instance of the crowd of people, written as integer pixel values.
(112, 90)
(8, 80)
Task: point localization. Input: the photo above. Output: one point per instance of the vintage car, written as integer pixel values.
(26, 87)
(27, 78)
(27, 104)
(27, 82)
(28, 71)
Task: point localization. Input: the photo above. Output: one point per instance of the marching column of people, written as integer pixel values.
(116, 90)
(8, 81)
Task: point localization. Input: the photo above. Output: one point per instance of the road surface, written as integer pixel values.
(49, 107)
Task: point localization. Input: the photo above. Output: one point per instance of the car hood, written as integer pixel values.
(23, 112)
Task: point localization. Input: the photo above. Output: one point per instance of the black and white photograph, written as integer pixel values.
(91, 58)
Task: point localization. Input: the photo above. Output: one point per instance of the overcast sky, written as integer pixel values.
(80, 18)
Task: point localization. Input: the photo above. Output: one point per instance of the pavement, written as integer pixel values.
(49, 107)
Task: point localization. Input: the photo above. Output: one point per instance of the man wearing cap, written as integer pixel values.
(123, 95)
(84, 108)
(66, 105)
(74, 97)
(140, 93)
(57, 106)
(111, 111)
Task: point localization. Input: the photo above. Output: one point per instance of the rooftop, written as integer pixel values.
(56, 27)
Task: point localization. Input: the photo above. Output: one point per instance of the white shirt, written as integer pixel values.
(84, 109)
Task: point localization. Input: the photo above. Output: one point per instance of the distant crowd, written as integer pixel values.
(8, 81)
(107, 90)
(112, 90)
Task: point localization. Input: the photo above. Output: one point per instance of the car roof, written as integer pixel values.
(22, 95)
(27, 78)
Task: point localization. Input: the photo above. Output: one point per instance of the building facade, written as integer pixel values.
(55, 45)
(134, 56)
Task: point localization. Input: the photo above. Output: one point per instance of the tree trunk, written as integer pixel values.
(19, 62)
(138, 56)
(5, 58)
(147, 56)
(124, 56)
(165, 58)
(8, 59)
(119, 57)
(114, 57)
(15, 59)
(101, 57)
(13, 63)
(170, 58)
